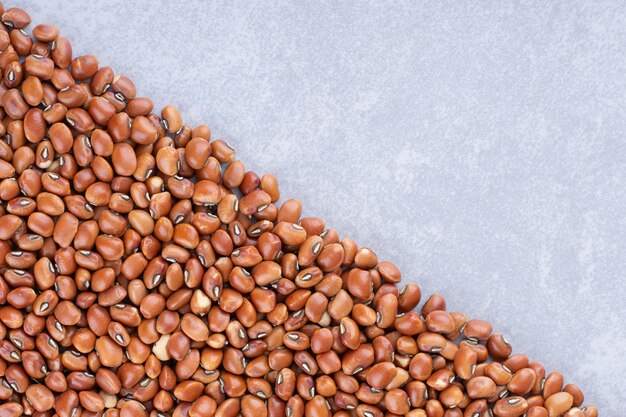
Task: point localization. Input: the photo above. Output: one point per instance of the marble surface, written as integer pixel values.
(479, 146)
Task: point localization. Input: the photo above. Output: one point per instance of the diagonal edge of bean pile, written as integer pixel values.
(145, 272)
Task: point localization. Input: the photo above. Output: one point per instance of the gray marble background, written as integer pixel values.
(478, 145)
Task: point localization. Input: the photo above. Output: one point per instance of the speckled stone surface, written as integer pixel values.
(480, 146)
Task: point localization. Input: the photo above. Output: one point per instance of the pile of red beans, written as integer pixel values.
(145, 272)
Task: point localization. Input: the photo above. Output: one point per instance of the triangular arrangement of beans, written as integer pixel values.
(145, 272)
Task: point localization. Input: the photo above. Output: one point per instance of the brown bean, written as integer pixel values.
(553, 384)
(478, 329)
(194, 327)
(84, 67)
(440, 321)
(15, 18)
(559, 403)
(40, 397)
(522, 382)
(39, 66)
(21, 42)
(109, 352)
(14, 104)
(45, 33)
(80, 120)
(123, 158)
(576, 393)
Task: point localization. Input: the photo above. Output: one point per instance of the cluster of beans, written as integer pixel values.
(145, 272)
